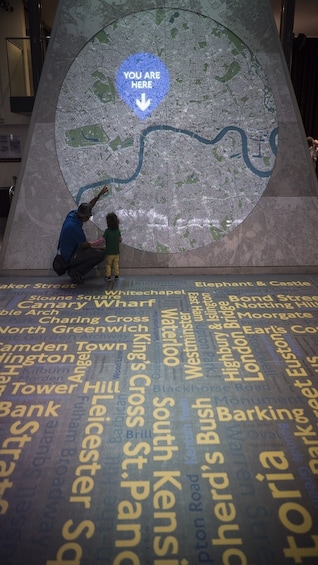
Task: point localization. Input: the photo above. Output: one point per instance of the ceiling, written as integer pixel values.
(306, 15)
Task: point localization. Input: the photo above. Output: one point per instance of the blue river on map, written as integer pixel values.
(217, 138)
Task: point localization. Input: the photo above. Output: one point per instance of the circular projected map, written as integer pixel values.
(174, 113)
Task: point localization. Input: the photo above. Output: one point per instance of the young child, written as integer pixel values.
(112, 238)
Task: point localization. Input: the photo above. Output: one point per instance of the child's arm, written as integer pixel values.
(98, 242)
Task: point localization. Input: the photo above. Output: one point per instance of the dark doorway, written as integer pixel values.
(304, 75)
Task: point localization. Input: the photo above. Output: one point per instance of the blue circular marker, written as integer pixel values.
(142, 82)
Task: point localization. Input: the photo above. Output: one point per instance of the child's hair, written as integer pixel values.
(112, 221)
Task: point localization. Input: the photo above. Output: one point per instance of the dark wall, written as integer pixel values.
(4, 202)
(304, 75)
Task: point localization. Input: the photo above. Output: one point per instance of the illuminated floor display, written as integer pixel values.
(164, 421)
(187, 149)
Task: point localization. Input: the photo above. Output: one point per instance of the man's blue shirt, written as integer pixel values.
(72, 235)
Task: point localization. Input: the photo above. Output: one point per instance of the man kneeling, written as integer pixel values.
(76, 251)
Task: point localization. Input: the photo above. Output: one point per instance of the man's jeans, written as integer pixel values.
(84, 259)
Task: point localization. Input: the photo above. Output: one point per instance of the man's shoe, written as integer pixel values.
(77, 279)
(107, 279)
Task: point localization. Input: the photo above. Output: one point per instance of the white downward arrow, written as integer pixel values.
(143, 103)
